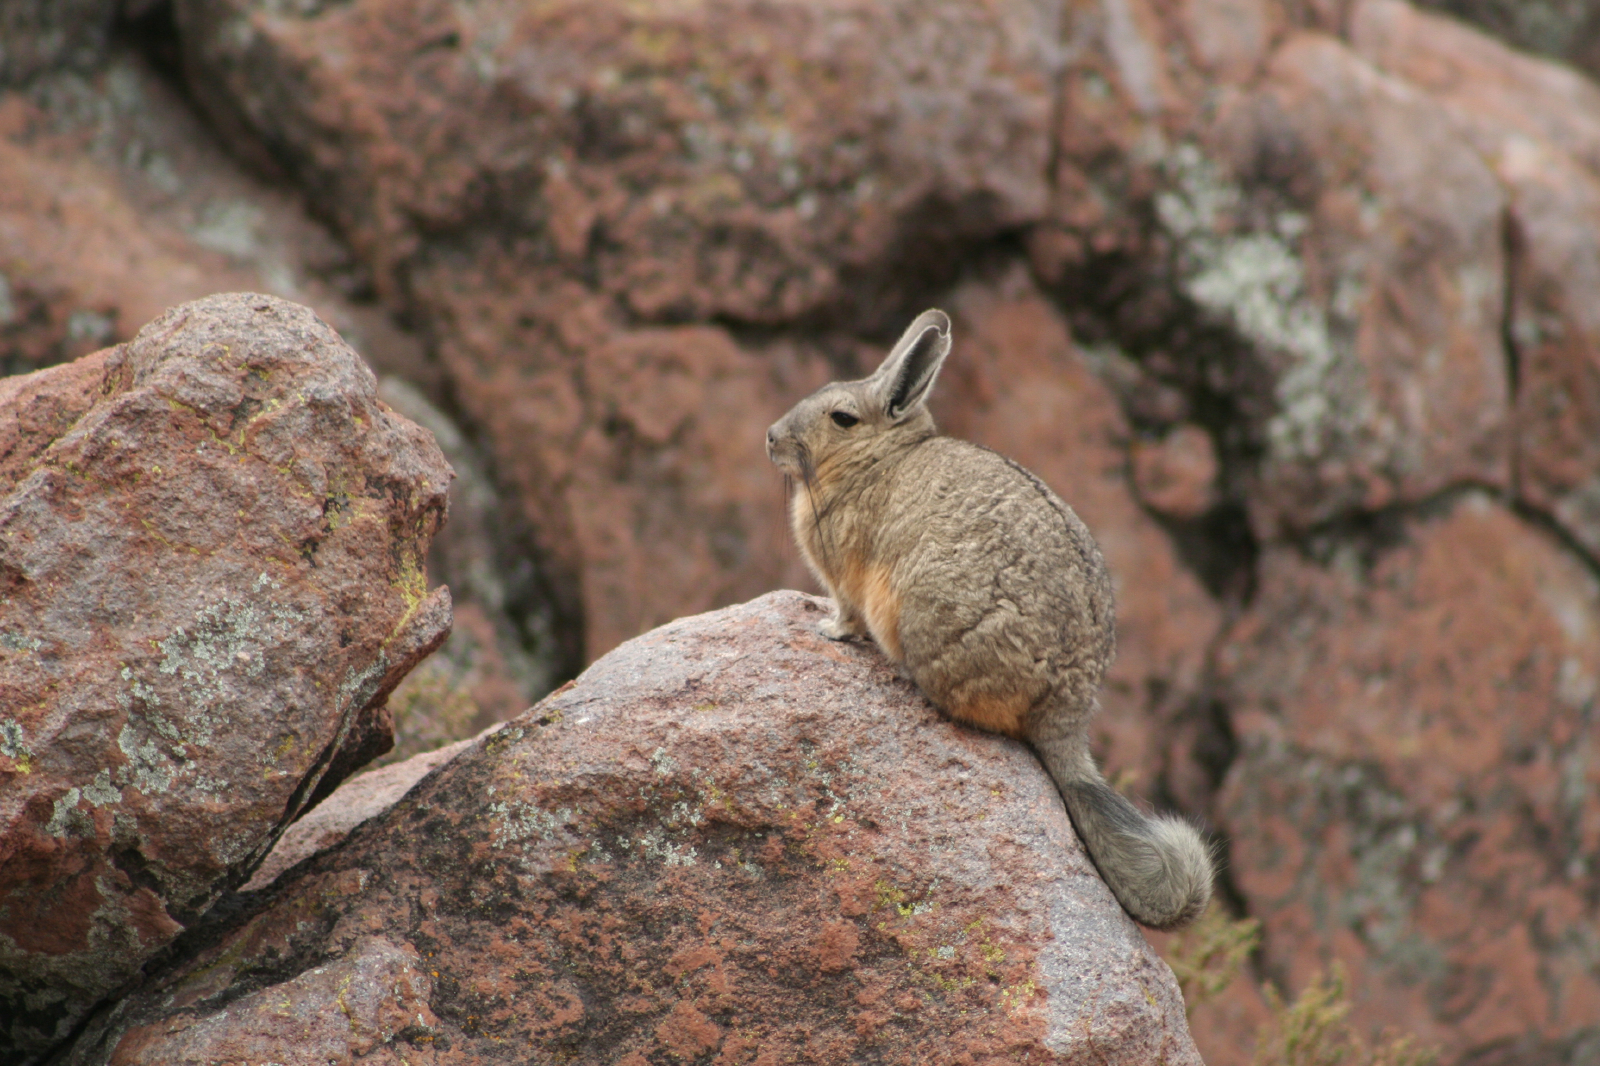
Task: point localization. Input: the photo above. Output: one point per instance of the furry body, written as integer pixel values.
(984, 587)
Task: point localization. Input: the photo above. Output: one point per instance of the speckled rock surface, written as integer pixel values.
(730, 840)
(210, 579)
(1416, 792)
(36, 35)
(1548, 158)
(357, 799)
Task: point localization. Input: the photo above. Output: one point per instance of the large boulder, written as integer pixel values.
(39, 35)
(1416, 793)
(211, 576)
(1538, 125)
(729, 839)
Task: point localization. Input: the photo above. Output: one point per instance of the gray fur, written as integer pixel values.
(981, 584)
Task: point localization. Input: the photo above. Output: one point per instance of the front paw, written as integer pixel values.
(836, 628)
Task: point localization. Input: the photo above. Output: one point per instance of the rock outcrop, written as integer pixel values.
(1416, 793)
(39, 35)
(211, 576)
(729, 840)
(1291, 299)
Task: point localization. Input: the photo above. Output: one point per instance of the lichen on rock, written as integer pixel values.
(728, 836)
(209, 580)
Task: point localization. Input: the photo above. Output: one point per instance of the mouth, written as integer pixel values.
(786, 456)
(785, 460)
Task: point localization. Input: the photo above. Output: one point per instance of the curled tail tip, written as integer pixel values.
(1189, 869)
(1159, 868)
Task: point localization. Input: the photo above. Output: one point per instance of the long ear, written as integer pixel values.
(907, 374)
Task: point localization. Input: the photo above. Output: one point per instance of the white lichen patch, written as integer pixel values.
(148, 769)
(519, 821)
(655, 845)
(1255, 282)
(67, 817)
(360, 685)
(101, 792)
(19, 642)
(12, 744)
(227, 644)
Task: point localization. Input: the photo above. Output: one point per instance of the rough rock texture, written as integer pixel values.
(117, 204)
(211, 545)
(1323, 249)
(1417, 792)
(1548, 159)
(38, 35)
(726, 159)
(508, 644)
(1562, 29)
(729, 840)
(1307, 276)
(361, 797)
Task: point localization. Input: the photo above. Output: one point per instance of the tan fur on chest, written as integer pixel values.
(875, 598)
(863, 586)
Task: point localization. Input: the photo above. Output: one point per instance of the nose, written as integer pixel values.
(772, 435)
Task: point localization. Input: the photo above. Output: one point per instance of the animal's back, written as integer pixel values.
(1003, 609)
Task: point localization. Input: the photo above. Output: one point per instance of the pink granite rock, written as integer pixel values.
(211, 545)
(1415, 795)
(1538, 125)
(729, 840)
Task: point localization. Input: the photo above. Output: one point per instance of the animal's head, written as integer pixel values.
(860, 419)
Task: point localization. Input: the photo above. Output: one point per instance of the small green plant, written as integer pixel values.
(1312, 1031)
(431, 708)
(1208, 955)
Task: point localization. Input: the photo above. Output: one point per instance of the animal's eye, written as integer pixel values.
(844, 419)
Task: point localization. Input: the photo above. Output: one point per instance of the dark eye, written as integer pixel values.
(844, 419)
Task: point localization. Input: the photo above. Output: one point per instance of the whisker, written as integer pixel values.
(823, 539)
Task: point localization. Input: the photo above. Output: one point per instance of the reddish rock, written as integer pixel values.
(1414, 794)
(363, 796)
(599, 174)
(116, 204)
(1481, 79)
(1309, 248)
(729, 839)
(1548, 158)
(1177, 474)
(81, 267)
(732, 159)
(1376, 294)
(212, 578)
(1559, 29)
(508, 647)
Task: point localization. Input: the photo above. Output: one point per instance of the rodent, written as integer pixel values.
(981, 584)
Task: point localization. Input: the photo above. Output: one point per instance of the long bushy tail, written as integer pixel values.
(1159, 868)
